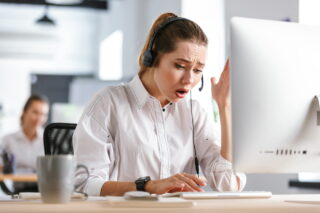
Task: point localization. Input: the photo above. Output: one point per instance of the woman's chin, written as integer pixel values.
(175, 100)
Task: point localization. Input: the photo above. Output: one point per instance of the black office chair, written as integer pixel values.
(57, 138)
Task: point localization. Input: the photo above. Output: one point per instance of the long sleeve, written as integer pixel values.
(93, 147)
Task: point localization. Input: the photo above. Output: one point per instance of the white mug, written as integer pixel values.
(56, 177)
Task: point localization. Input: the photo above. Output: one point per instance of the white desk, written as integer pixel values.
(273, 205)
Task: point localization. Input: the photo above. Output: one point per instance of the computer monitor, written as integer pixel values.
(66, 112)
(275, 75)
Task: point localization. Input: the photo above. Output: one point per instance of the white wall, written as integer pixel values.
(14, 90)
(68, 47)
(261, 9)
(121, 16)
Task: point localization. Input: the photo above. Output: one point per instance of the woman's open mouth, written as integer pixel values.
(181, 93)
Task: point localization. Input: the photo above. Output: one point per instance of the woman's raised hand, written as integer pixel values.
(221, 90)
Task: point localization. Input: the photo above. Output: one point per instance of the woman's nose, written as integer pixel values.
(188, 77)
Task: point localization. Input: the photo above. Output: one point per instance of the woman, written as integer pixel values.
(27, 143)
(146, 135)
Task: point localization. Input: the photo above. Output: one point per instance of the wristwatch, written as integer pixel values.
(141, 182)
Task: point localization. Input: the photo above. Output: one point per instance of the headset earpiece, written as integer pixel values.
(147, 58)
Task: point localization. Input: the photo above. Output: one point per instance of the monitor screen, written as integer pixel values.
(66, 112)
(275, 76)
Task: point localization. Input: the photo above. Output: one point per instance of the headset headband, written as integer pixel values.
(148, 56)
(162, 26)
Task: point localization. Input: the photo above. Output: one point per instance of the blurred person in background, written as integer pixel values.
(20, 149)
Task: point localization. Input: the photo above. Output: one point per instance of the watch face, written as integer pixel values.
(146, 178)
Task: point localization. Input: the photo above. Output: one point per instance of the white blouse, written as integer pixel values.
(124, 134)
(25, 151)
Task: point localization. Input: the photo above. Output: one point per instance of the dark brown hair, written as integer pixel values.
(166, 39)
(31, 99)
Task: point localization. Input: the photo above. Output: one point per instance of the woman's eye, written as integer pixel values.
(178, 66)
(197, 71)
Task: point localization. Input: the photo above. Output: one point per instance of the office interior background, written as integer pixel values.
(82, 49)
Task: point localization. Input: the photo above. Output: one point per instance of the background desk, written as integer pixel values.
(19, 177)
(278, 203)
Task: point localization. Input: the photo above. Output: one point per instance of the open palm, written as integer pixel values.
(221, 90)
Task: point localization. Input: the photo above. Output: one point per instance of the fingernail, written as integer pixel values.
(203, 184)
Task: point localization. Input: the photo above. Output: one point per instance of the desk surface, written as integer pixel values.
(19, 177)
(278, 203)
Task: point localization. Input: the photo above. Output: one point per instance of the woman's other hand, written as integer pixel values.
(221, 90)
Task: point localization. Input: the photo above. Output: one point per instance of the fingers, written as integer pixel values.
(196, 179)
(227, 65)
(181, 182)
(213, 81)
(170, 184)
(177, 186)
(226, 70)
(191, 182)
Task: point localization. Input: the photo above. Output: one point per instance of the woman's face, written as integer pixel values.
(36, 115)
(179, 71)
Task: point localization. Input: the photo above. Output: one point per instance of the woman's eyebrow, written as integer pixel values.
(189, 62)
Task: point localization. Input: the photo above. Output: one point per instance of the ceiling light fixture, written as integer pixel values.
(45, 19)
(64, 2)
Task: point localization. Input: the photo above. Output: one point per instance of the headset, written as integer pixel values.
(148, 59)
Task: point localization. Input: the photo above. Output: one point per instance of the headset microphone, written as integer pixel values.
(202, 84)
